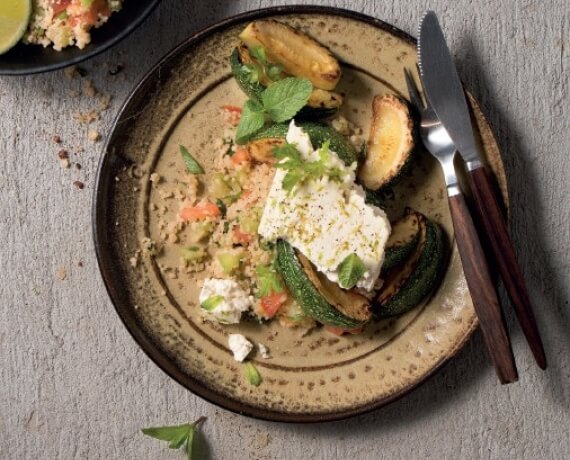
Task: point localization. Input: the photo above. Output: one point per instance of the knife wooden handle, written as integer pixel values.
(482, 291)
(492, 219)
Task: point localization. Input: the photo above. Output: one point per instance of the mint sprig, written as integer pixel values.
(176, 436)
(280, 102)
(350, 270)
(299, 170)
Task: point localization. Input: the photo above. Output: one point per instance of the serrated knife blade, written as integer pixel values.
(444, 89)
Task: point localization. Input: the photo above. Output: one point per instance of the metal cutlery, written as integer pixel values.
(445, 93)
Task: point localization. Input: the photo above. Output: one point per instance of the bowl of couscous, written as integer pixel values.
(65, 32)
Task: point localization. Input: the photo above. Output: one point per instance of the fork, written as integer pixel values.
(438, 142)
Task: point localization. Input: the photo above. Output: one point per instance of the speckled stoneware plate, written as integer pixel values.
(313, 378)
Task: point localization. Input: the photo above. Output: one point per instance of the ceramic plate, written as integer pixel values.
(30, 59)
(313, 378)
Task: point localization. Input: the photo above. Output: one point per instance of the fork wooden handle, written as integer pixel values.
(490, 214)
(482, 291)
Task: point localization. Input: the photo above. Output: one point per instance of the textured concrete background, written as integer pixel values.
(73, 384)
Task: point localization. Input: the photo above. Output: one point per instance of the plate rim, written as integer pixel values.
(45, 68)
(105, 262)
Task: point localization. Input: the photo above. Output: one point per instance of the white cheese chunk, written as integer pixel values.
(326, 220)
(230, 304)
(240, 346)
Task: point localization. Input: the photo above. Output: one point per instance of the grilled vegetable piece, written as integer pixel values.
(407, 285)
(403, 240)
(317, 296)
(299, 54)
(319, 133)
(261, 150)
(390, 144)
(321, 104)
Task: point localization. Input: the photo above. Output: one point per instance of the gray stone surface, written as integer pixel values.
(73, 384)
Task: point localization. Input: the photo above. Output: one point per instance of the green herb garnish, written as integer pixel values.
(212, 302)
(271, 71)
(192, 165)
(252, 374)
(299, 171)
(350, 270)
(176, 436)
(281, 101)
(222, 206)
(268, 281)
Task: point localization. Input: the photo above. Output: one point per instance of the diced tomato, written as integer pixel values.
(200, 212)
(240, 157)
(241, 237)
(271, 303)
(59, 6)
(232, 114)
(231, 108)
(340, 330)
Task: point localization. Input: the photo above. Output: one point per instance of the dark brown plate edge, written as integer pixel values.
(105, 261)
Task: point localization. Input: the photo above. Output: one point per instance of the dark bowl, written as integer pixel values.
(30, 59)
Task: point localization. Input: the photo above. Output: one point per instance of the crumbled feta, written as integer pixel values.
(263, 351)
(240, 346)
(232, 303)
(326, 220)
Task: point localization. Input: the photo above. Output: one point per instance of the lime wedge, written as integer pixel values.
(14, 19)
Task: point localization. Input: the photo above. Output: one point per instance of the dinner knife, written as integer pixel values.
(445, 92)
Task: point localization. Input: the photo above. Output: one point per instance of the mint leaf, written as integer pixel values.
(212, 302)
(291, 179)
(252, 120)
(176, 436)
(192, 165)
(252, 374)
(284, 98)
(350, 270)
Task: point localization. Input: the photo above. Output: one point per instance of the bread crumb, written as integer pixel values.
(94, 135)
(86, 117)
(155, 178)
(56, 139)
(79, 185)
(263, 351)
(89, 89)
(71, 72)
(61, 273)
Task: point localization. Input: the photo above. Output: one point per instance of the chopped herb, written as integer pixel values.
(252, 374)
(350, 270)
(252, 120)
(212, 302)
(230, 152)
(268, 281)
(176, 436)
(226, 228)
(299, 171)
(192, 165)
(222, 206)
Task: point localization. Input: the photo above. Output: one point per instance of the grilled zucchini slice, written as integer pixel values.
(299, 54)
(407, 285)
(321, 104)
(318, 297)
(403, 240)
(390, 144)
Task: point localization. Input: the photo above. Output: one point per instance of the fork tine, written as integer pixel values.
(415, 97)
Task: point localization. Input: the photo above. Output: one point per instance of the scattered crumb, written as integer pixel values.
(61, 273)
(104, 101)
(63, 154)
(79, 185)
(155, 178)
(77, 166)
(56, 139)
(263, 351)
(71, 72)
(94, 135)
(86, 117)
(89, 89)
(80, 263)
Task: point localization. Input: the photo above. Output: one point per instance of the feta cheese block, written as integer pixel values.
(223, 300)
(326, 220)
(240, 346)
